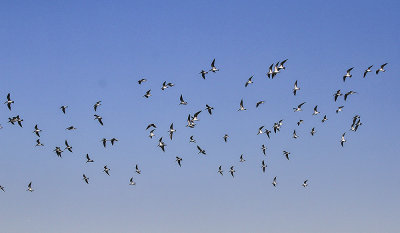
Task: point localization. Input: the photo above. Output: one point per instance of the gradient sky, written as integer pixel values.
(78, 52)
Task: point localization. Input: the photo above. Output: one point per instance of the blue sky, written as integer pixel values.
(75, 53)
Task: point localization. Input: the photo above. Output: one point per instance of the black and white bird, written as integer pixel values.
(164, 86)
(161, 144)
(276, 70)
(2, 188)
(267, 132)
(349, 93)
(209, 109)
(343, 140)
(106, 170)
(260, 130)
(305, 183)
(113, 140)
(30, 189)
(226, 136)
(213, 68)
(337, 94)
(270, 73)
(171, 130)
(104, 141)
(263, 166)
(131, 182)
(63, 108)
(259, 103)
(281, 65)
(37, 131)
(313, 131)
(232, 171)
(263, 148)
(99, 118)
(203, 74)
(67, 147)
(249, 81)
(148, 94)
(294, 134)
(151, 134)
(274, 183)
(151, 125)
(296, 88)
(88, 159)
(201, 151)
(19, 121)
(339, 109)
(179, 160)
(86, 179)
(182, 102)
(324, 119)
(97, 104)
(381, 69)
(138, 171)
(315, 110)
(9, 101)
(298, 109)
(140, 81)
(70, 128)
(367, 70)
(241, 106)
(286, 154)
(195, 116)
(299, 122)
(192, 139)
(220, 171)
(348, 75)
(58, 151)
(38, 143)
(241, 159)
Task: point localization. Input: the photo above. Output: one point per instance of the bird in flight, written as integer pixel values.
(259, 103)
(343, 140)
(296, 88)
(192, 139)
(274, 182)
(298, 109)
(70, 128)
(88, 160)
(131, 182)
(313, 131)
(249, 81)
(37, 131)
(286, 154)
(339, 109)
(161, 144)
(337, 94)
(86, 179)
(209, 109)
(381, 69)
(63, 108)
(151, 125)
(58, 151)
(294, 134)
(299, 122)
(226, 136)
(2, 188)
(171, 130)
(140, 81)
(220, 171)
(201, 151)
(241, 159)
(271, 73)
(281, 65)
(263, 166)
(9, 101)
(263, 148)
(38, 143)
(241, 106)
(182, 102)
(348, 75)
(178, 160)
(148, 94)
(99, 118)
(203, 74)
(138, 171)
(232, 171)
(104, 141)
(367, 70)
(349, 93)
(324, 119)
(260, 130)
(97, 104)
(213, 68)
(106, 170)
(305, 183)
(68, 147)
(112, 140)
(151, 134)
(315, 110)
(30, 189)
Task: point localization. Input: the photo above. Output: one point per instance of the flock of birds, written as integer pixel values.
(273, 71)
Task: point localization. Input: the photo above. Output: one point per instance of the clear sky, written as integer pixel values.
(75, 53)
